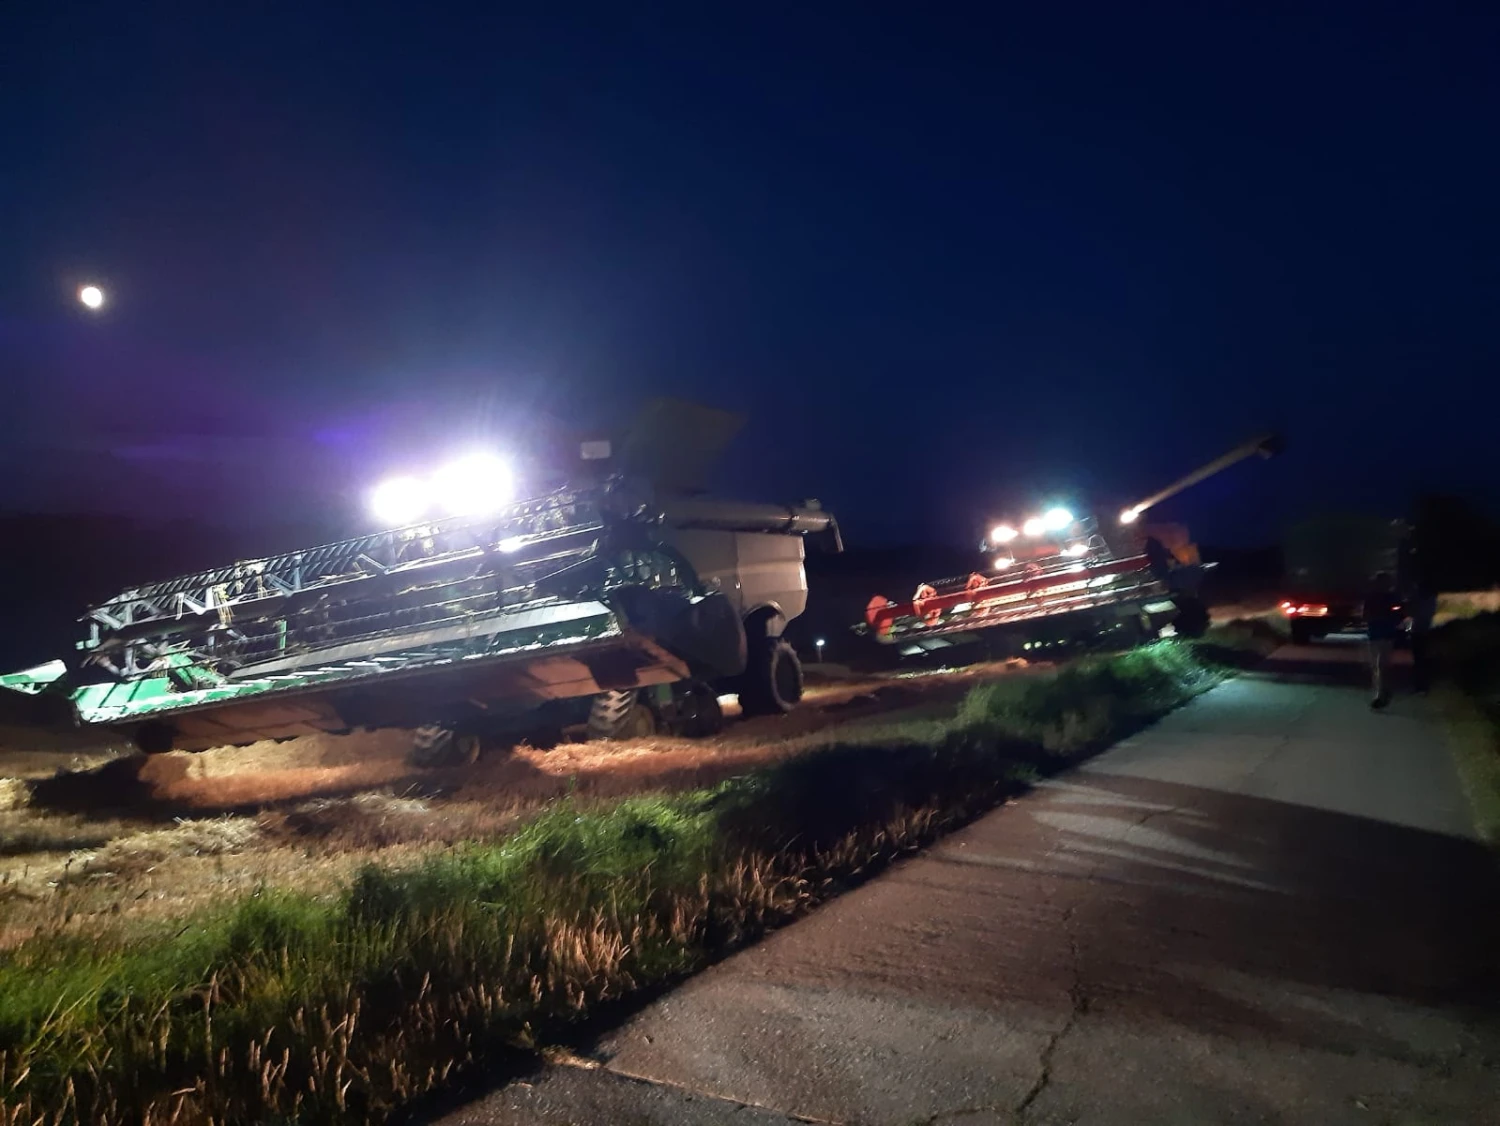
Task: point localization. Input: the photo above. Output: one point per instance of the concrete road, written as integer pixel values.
(1267, 908)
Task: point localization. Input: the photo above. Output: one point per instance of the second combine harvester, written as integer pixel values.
(1060, 574)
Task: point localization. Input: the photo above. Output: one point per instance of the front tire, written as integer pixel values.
(620, 715)
(772, 685)
(698, 713)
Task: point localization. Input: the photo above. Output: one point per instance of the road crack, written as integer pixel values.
(1078, 1007)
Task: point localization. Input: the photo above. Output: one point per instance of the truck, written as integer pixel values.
(610, 605)
(1329, 562)
(1059, 576)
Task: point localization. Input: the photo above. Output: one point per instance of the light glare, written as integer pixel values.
(475, 485)
(398, 501)
(1058, 519)
(1035, 526)
(1076, 550)
(1002, 533)
(1130, 516)
(91, 296)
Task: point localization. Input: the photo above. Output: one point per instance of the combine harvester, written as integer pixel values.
(623, 607)
(1058, 578)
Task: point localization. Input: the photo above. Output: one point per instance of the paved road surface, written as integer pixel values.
(1267, 908)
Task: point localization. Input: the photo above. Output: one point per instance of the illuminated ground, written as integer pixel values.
(1267, 908)
(91, 835)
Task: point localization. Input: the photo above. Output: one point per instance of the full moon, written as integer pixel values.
(91, 296)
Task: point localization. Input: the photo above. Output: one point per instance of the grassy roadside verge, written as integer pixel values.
(1468, 656)
(286, 1008)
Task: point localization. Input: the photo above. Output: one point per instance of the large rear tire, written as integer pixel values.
(772, 685)
(621, 715)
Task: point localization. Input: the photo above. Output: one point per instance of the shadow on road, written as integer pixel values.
(1211, 909)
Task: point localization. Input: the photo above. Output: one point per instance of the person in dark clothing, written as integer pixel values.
(1383, 617)
(1421, 607)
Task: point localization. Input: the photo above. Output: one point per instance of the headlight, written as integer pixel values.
(398, 501)
(1058, 519)
(1002, 533)
(1035, 526)
(474, 486)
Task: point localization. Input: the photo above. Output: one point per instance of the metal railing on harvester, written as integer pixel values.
(422, 582)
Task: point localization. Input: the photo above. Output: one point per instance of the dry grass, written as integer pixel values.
(121, 840)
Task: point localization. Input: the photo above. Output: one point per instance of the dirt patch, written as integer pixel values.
(375, 821)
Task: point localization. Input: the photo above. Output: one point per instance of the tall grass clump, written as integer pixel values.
(296, 1009)
(1091, 701)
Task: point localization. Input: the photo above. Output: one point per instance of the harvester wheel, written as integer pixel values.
(1192, 618)
(620, 715)
(435, 745)
(772, 684)
(432, 745)
(698, 715)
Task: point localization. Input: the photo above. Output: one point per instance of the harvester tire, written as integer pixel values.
(698, 713)
(772, 684)
(1192, 618)
(621, 715)
(432, 745)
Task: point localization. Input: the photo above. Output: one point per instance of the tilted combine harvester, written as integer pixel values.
(1067, 574)
(607, 605)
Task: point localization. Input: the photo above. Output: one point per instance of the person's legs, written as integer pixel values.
(1380, 652)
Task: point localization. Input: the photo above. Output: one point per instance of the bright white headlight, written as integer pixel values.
(1002, 533)
(1035, 526)
(399, 501)
(475, 485)
(1057, 519)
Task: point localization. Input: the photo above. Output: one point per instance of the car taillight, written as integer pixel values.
(1304, 609)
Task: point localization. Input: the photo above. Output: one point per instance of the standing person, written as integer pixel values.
(1422, 608)
(1383, 618)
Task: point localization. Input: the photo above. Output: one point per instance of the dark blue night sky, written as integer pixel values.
(941, 256)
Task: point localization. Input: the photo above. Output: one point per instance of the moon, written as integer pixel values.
(91, 296)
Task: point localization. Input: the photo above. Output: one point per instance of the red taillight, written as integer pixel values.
(1304, 609)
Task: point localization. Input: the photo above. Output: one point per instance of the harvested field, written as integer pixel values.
(92, 835)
